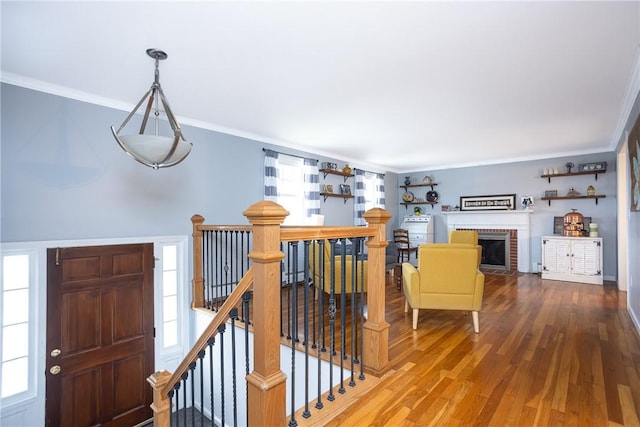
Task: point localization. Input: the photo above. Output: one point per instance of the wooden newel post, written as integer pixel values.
(376, 328)
(267, 383)
(161, 405)
(197, 284)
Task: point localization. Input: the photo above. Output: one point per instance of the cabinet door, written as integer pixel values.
(556, 256)
(586, 257)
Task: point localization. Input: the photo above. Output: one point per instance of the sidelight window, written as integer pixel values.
(17, 325)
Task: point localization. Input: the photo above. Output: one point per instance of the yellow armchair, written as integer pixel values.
(317, 259)
(447, 278)
(466, 237)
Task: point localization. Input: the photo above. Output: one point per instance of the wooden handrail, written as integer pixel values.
(292, 234)
(266, 384)
(211, 330)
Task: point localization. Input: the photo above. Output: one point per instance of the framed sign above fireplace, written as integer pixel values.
(496, 202)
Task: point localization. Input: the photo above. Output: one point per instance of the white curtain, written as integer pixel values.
(311, 188)
(359, 197)
(368, 193)
(270, 175)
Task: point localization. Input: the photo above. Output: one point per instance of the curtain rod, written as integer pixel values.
(292, 155)
(364, 170)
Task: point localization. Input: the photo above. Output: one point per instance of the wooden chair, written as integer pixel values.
(403, 244)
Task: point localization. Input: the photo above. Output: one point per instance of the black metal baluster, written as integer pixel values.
(332, 316)
(236, 264)
(221, 330)
(282, 292)
(354, 302)
(205, 258)
(218, 268)
(343, 303)
(192, 368)
(233, 314)
(362, 304)
(294, 333)
(245, 304)
(289, 286)
(176, 387)
(184, 395)
(360, 267)
(227, 291)
(201, 358)
(210, 343)
(319, 265)
(306, 413)
(312, 285)
(171, 405)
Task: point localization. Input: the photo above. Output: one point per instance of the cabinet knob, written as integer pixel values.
(55, 352)
(55, 370)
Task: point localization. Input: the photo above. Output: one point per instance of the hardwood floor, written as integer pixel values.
(548, 353)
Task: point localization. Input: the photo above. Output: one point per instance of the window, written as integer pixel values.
(169, 296)
(291, 188)
(372, 191)
(293, 183)
(17, 325)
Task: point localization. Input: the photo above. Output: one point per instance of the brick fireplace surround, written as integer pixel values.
(514, 222)
(513, 244)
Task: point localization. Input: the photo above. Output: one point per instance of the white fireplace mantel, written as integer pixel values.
(508, 220)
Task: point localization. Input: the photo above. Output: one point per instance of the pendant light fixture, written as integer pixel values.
(153, 149)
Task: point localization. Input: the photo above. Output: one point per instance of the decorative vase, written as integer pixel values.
(407, 180)
(417, 210)
(346, 169)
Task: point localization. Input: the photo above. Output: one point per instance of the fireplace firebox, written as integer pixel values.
(496, 250)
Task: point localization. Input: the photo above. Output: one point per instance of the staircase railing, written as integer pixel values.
(266, 394)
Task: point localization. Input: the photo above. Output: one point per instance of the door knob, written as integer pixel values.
(55, 370)
(55, 352)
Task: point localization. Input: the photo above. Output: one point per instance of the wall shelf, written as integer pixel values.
(418, 185)
(595, 197)
(406, 204)
(554, 175)
(343, 196)
(336, 172)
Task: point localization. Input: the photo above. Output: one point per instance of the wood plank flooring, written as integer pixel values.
(548, 353)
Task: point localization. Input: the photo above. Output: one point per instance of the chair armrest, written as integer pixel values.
(479, 291)
(410, 282)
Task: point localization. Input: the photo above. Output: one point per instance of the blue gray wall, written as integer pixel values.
(523, 178)
(64, 177)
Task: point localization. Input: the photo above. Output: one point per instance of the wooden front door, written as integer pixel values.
(99, 335)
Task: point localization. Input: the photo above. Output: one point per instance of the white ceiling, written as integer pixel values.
(396, 86)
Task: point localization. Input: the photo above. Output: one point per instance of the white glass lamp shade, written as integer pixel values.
(154, 150)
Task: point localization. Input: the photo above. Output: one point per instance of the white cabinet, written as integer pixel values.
(574, 259)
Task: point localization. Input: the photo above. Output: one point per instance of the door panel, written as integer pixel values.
(100, 316)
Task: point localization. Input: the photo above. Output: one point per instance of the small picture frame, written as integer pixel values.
(551, 193)
(345, 189)
(592, 167)
(327, 188)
